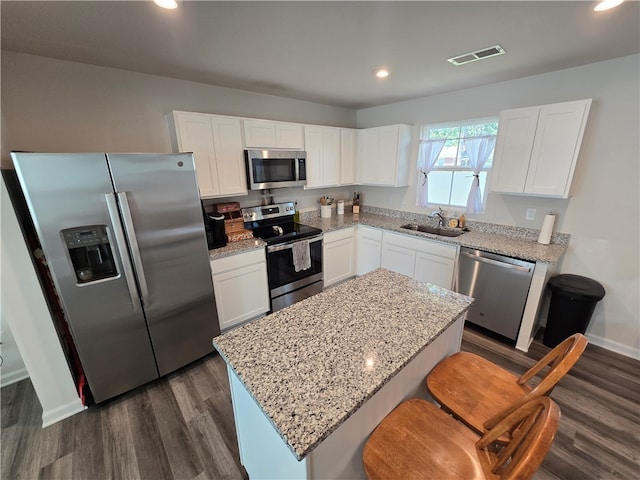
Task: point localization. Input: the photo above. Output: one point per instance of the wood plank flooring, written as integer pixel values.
(181, 426)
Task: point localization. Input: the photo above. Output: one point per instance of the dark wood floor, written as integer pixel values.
(182, 426)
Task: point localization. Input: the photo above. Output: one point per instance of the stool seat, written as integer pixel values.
(419, 441)
(476, 391)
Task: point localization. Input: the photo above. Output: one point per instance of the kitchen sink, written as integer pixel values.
(445, 232)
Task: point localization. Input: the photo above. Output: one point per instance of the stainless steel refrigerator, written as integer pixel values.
(124, 239)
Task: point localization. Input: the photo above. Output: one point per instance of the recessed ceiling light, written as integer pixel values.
(382, 73)
(607, 4)
(170, 4)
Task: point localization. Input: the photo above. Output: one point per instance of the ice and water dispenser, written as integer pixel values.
(90, 252)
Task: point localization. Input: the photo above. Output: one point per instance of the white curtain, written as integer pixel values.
(428, 153)
(479, 150)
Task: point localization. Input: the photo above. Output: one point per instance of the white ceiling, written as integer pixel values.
(325, 51)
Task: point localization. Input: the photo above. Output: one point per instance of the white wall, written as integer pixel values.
(12, 367)
(602, 216)
(59, 106)
(25, 310)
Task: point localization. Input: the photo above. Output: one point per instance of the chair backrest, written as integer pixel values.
(559, 360)
(530, 430)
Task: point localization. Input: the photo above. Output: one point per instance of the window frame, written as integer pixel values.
(424, 134)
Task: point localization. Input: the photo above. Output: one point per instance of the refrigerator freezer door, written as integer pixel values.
(65, 192)
(162, 215)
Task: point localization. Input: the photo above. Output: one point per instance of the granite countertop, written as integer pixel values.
(498, 239)
(503, 240)
(236, 247)
(312, 365)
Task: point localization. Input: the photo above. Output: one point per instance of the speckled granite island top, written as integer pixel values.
(313, 364)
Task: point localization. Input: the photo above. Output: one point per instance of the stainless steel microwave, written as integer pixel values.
(275, 168)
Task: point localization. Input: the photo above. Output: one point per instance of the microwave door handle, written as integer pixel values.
(118, 233)
(133, 245)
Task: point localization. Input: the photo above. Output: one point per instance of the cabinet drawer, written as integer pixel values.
(336, 235)
(424, 245)
(240, 260)
(370, 233)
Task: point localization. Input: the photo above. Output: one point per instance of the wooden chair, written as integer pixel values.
(476, 390)
(419, 441)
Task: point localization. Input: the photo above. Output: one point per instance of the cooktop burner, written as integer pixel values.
(274, 223)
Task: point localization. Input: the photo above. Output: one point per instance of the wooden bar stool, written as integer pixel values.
(420, 441)
(476, 390)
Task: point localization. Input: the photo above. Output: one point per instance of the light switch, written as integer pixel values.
(531, 214)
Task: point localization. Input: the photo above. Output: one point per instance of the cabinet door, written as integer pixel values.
(241, 294)
(556, 147)
(194, 134)
(368, 143)
(331, 156)
(313, 146)
(322, 145)
(289, 135)
(384, 155)
(348, 153)
(369, 249)
(434, 269)
(259, 134)
(398, 259)
(339, 260)
(227, 141)
(387, 156)
(516, 132)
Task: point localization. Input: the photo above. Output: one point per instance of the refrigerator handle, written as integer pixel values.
(133, 245)
(122, 247)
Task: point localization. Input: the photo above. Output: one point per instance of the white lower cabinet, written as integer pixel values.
(425, 260)
(241, 287)
(369, 246)
(339, 256)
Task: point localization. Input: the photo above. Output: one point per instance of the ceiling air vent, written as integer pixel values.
(477, 55)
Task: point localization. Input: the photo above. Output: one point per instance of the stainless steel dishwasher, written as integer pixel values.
(500, 286)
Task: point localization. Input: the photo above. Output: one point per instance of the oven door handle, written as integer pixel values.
(285, 246)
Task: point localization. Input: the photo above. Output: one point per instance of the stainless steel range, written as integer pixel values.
(294, 253)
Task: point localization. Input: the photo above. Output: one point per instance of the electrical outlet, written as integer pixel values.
(531, 214)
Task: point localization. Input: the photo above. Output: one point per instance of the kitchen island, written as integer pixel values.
(310, 383)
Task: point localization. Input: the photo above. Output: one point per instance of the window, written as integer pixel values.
(454, 159)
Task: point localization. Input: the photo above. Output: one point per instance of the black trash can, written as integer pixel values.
(573, 299)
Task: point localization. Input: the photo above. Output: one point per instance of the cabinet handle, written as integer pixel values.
(497, 263)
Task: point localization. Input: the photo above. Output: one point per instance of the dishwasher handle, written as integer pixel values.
(497, 263)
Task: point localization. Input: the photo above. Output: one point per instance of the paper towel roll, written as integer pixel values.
(547, 229)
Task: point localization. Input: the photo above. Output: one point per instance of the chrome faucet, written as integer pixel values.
(442, 221)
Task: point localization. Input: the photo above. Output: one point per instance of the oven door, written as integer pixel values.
(283, 278)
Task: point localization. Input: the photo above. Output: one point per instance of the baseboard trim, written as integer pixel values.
(614, 346)
(60, 413)
(13, 377)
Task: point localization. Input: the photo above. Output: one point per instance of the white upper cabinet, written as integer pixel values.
(537, 149)
(348, 155)
(383, 155)
(270, 134)
(216, 143)
(322, 145)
